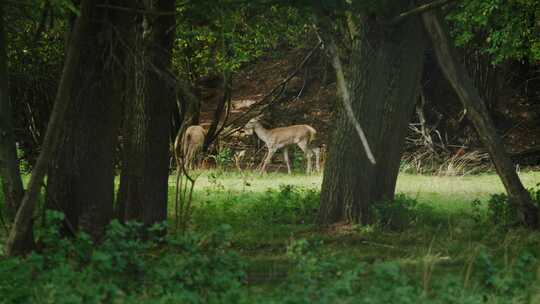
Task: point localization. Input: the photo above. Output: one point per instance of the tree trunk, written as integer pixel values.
(477, 112)
(20, 238)
(221, 110)
(81, 176)
(382, 78)
(190, 106)
(145, 170)
(9, 165)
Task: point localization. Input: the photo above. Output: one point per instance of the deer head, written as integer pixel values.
(250, 125)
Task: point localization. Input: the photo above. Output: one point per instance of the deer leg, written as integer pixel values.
(267, 159)
(307, 154)
(190, 160)
(317, 159)
(286, 156)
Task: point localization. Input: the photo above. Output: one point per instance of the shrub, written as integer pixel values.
(396, 214)
(508, 283)
(290, 205)
(505, 214)
(132, 265)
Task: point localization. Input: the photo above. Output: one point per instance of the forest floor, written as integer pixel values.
(253, 239)
(444, 233)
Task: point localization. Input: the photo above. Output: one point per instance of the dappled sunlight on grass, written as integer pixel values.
(266, 215)
(444, 191)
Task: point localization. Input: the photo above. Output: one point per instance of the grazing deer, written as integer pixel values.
(188, 145)
(275, 139)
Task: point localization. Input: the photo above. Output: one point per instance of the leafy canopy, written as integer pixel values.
(505, 29)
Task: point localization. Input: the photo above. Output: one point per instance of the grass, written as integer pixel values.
(447, 233)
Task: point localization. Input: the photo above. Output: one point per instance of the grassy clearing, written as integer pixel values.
(440, 249)
(446, 234)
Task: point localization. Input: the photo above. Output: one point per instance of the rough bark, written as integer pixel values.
(81, 176)
(382, 77)
(477, 112)
(9, 165)
(144, 180)
(20, 238)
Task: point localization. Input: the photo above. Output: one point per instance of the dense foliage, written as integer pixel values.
(504, 29)
(125, 268)
(213, 37)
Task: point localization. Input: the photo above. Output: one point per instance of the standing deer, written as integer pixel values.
(275, 139)
(188, 145)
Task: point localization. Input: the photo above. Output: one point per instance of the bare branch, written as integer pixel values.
(346, 98)
(343, 87)
(279, 88)
(419, 10)
(135, 10)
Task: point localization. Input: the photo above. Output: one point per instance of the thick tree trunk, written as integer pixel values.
(145, 171)
(20, 238)
(382, 77)
(81, 176)
(477, 112)
(9, 165)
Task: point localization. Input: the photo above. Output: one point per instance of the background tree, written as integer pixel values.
(20, 238)
(505, 30)
(150, 98)
(478, 113)
(9, 165)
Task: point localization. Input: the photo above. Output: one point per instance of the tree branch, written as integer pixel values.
(230, 129)
(346, 98)
(418, 10)
(135, 10)
(343, 86)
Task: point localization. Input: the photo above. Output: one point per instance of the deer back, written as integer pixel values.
(292, 135)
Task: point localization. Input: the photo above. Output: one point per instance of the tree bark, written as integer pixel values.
(20, 238)
(145, 170)
(477, 112)
(382, 78)
(9, 165)
(81, 176)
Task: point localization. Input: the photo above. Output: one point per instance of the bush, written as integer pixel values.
(397, 214)
(505, 214)
(128, 267)
(291, 205)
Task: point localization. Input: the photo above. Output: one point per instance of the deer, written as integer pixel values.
(188, 145)
(284, 137)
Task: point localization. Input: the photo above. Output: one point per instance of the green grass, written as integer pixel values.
(446, 229)
(446, 237)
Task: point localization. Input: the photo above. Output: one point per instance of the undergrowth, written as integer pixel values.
(264, 247)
